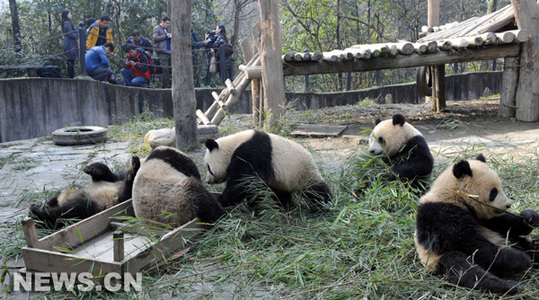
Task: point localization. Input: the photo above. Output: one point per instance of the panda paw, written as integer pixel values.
(531, 216)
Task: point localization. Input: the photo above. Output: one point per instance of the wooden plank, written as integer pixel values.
(167, 245)
(83, 230)
(402, 61)
(41, 260)
(318, 130)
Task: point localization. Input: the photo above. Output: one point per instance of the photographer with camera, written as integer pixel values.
(162, 44)
(136, 71)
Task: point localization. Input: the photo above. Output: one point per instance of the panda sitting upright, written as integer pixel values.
(405, 146)
(282, 164)
(106, 190)
(464, 232)
(168, 190)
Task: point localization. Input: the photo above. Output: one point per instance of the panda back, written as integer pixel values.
(158, 187)
(293, 165)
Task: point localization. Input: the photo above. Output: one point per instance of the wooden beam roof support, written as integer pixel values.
(402, 61)
(527, 95)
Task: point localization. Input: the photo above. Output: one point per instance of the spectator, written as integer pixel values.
(71, 49)
(97, 62)
(89, 22)
(139, 42)
(161, 39)
(99, 33)
(136, 71)
(210, 40)
(222, 41)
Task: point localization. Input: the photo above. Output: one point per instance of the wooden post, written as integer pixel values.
(183, 88)
(255, 98)
(438, 96)
(30, 233)
(272, 66)
(15, 25)
(118, 245)
(527, 95)
(509, 88)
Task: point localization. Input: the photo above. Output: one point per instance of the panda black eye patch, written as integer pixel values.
(209, 170)
(381, 140)
(493, 194)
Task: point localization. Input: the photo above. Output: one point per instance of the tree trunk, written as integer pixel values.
(15, 25)
(183, 89)
(527, 97)
(272, 67)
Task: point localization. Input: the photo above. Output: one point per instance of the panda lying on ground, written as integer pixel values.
(168, 190)
(284, 165)
(405, 146)
(462, 228)
(106, 190)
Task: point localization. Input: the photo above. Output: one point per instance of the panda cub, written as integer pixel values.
(168, 189)
(284, 165)
(464, 232)
(106, 190)
(404, 144)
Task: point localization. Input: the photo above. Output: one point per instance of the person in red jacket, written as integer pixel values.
(136, 71)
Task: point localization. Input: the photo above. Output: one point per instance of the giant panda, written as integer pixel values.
(106, 190)
(464, 231)
(405, 146)
(283, 165)
(168, 190)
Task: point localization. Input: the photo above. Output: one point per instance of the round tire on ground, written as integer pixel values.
(79, 135)
(424, 81)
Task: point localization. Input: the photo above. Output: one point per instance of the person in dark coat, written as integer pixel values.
(139, 42)
(222, 40)
(71, 49)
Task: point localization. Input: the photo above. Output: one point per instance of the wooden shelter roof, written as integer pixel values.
(480, 38)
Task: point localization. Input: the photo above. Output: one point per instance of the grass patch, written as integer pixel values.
(359, 246)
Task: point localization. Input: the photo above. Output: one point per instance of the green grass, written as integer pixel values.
(359, 246)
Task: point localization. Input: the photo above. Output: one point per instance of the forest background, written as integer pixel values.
(307, 25)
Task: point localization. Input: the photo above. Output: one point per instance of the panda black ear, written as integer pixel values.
(461, 169)
(480, 157)
(211, 144)
(398, 119)
(376, 121)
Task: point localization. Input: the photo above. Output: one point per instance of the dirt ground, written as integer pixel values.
(463, 125)
(30, 167)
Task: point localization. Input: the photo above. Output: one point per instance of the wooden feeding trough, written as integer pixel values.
(101, 244)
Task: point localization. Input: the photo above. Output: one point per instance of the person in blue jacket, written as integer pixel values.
(97, 62)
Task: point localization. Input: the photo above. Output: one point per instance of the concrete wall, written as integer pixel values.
(466, 86)
(35, 107)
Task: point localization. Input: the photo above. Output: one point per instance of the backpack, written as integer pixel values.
(151, 65)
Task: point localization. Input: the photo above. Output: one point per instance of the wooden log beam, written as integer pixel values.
(401, 61)
(203, 117)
